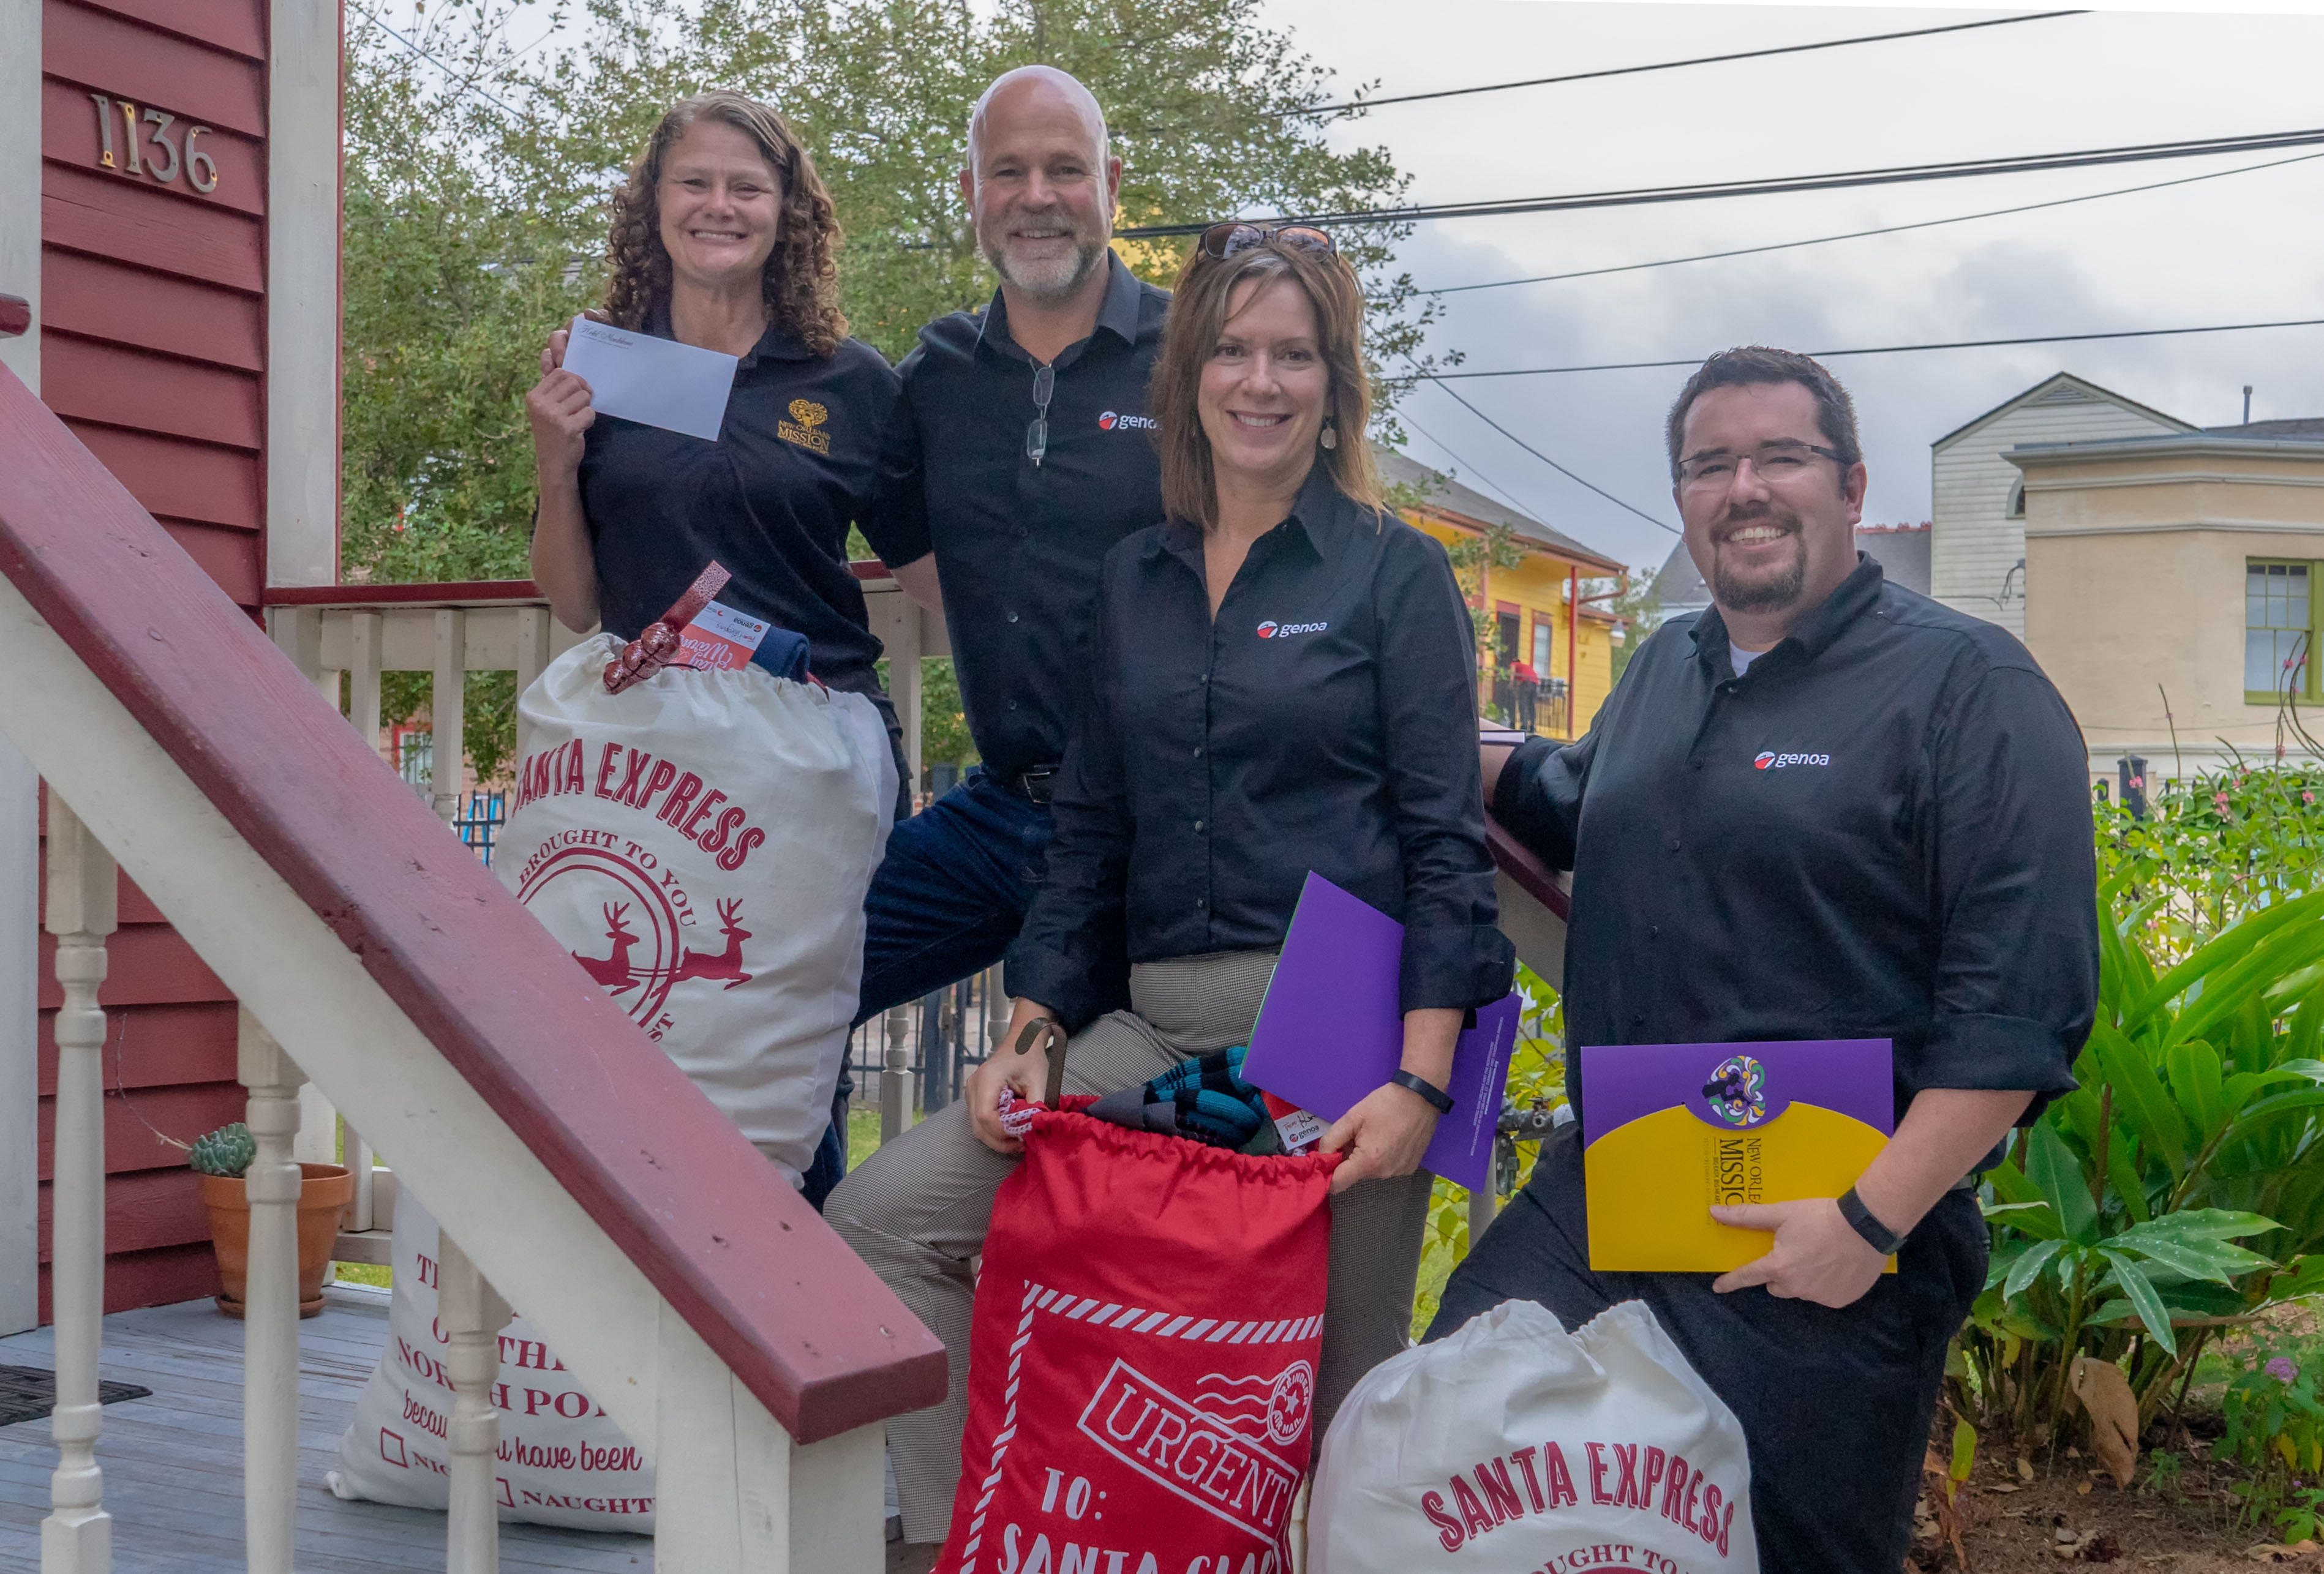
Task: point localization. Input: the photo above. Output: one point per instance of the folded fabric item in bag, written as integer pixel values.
(1203, 1099)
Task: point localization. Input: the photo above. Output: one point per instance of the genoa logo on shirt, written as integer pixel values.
(1110, 421)
(1272, 629)
(1768, 759)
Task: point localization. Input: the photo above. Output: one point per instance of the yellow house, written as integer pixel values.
(1532, 607)
(2171, 591)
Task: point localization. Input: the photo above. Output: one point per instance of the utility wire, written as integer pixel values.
(2021, 164)
(1474, 474)
(1454, 394)
(459, 83)
(1793, 49)
(1861, 234)
(2232, 328)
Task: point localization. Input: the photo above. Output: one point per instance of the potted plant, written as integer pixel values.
(219, 1158)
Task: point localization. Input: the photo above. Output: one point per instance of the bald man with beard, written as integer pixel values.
(1021, 453)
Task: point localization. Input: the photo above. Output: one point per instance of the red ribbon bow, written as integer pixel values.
(653, 648)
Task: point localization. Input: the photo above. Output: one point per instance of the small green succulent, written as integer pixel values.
(227, 1150)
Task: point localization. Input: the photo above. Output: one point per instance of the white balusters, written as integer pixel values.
(366, 634)
(531, 644)
(447, 718)
(77, 1538)
(360, 1161)
(472, 1314)
(896, 1077)
(270, 1380)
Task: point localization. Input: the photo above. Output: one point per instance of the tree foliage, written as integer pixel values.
(478, 171)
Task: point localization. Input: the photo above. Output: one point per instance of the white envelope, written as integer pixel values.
(658, 382)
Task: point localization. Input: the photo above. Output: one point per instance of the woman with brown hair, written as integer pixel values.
(1284, 681)
(723, 239)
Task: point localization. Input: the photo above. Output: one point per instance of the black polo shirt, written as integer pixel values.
(796, 463)
(1326, 721)
(1881, 830)
(1018, 544)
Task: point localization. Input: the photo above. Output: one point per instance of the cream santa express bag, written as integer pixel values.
(1515, 1446)
(561, 1459)
(702, 841)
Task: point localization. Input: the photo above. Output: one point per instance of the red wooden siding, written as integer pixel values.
(153, 351)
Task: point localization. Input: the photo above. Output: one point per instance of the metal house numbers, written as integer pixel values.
(161, 159)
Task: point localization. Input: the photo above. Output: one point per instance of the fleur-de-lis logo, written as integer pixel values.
(809, 413)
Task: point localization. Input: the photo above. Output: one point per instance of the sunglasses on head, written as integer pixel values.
(1224, 240)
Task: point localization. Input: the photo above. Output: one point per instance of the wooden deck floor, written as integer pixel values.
(174, 1461)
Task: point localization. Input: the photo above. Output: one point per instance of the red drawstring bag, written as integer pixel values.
(1142, 1362)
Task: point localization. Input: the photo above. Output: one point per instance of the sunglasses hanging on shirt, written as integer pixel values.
(1037, 436)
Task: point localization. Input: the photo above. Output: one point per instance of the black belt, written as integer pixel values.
(1039, 783)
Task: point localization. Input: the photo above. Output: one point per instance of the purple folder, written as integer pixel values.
(1330, 1030)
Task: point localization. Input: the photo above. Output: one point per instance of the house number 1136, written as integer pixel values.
(163, 160)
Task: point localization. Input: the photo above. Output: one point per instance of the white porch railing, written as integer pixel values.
(729, 1333)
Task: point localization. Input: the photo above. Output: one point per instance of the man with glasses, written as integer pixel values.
(1824, 808)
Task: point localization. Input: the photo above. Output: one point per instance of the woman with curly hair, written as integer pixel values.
(723, 239)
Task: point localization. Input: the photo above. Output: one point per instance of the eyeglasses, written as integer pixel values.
(1774, 463)
(1037, 436)
(1224, 240)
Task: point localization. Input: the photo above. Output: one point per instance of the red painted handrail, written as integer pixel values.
(752, 1269)
(1532, 876)
(463, 591)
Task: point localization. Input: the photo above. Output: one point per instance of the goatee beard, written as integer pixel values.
(1049, 281)
(1763, 595)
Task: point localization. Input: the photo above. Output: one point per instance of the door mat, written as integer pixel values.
(29, 1393)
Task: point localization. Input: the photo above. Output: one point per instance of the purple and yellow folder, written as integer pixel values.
(1330, 1030)
(1668, 1129)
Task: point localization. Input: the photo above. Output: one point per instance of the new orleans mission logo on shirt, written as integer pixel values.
(805, 426)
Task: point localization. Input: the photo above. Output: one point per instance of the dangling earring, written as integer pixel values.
(1331, 437)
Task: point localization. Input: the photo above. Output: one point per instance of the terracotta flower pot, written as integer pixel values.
(324, 1196)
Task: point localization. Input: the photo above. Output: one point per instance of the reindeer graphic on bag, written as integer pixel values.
(640, 814)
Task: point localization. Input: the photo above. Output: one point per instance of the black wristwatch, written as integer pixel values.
(1876, 1235)
(1427, 1090)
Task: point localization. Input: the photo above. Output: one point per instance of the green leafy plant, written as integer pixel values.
(2211, 848)
(1536, 1081)
(227, 1152)
(2302, 1517)
(2178, 1191)
(2275, 1429)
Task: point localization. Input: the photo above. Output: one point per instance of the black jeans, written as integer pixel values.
(1835, 1404)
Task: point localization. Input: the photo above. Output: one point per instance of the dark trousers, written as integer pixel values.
(950, 894)
(1835, 1404)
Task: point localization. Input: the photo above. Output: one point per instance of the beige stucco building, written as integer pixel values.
(2171, 590)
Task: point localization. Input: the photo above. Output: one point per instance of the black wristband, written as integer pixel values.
(1429, 1090)
(1876, 1235)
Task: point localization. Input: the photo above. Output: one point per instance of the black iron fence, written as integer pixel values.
(946, 1035)
(478, 821)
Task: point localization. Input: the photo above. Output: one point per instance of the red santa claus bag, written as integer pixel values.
(1141, 1373)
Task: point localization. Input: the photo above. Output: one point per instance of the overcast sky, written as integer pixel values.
(2242, 248)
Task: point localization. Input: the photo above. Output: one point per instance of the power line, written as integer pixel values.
(1861, 234)
(2232, 328)
(1507, 495)
(1793, 49)
(1958, 168)
(1454, 394)
(459, 83)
